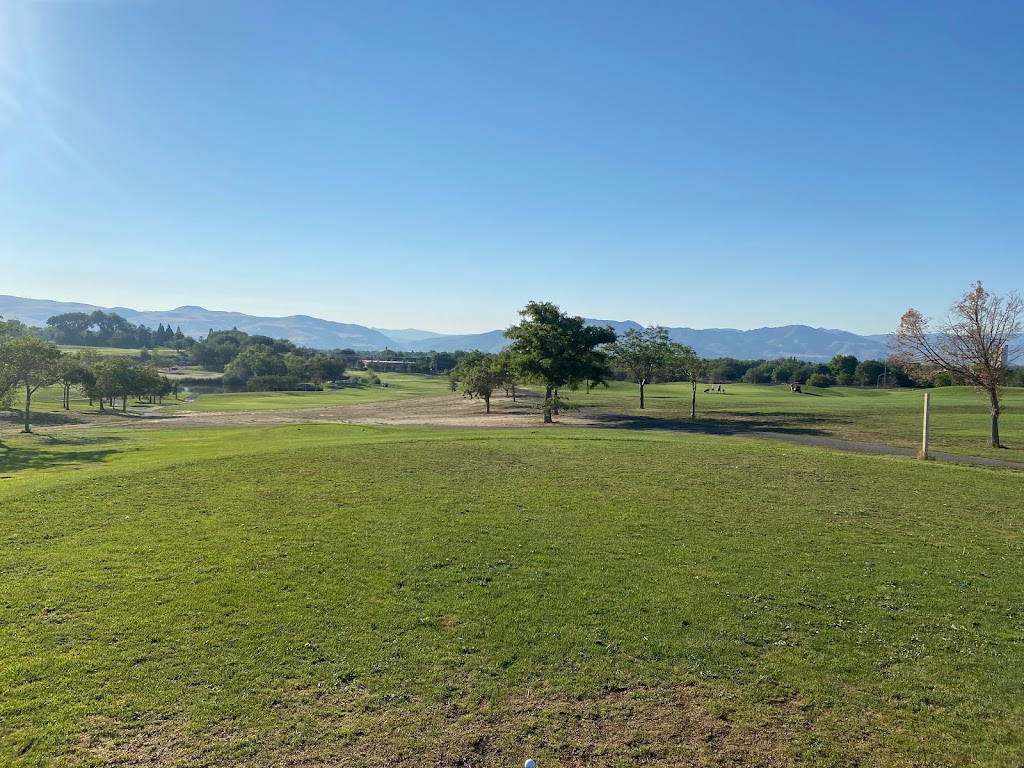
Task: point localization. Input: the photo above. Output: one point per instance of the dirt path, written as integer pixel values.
(456, 411)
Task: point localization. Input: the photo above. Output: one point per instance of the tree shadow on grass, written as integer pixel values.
(794, 424)
(41, 418)
(17, 458)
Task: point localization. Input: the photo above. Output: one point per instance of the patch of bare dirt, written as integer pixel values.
(444, 411)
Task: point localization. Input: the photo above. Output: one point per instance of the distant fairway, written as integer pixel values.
(959, 417)
(355, 595)
(399, 385)
(116, 351)
(959, 421)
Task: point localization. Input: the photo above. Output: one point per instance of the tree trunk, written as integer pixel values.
(642, 382)
(993, 399)
(487, 402)
(124, 403)
(28, 405)
(513, 393)
(693, 401)
(547, 404)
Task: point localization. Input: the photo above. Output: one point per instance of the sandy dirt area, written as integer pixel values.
(444, 411)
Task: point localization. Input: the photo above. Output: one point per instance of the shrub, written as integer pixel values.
(819, 380)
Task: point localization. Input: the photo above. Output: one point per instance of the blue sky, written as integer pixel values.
(439, 164)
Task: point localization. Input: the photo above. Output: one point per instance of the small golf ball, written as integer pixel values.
(531, 763)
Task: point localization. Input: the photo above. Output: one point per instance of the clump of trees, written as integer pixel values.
(260, 363)
(841, 370)
(109, 329)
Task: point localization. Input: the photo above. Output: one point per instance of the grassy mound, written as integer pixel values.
(339, 595)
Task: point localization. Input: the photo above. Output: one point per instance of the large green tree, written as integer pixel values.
(558, 350)
(843, 368)
(645, 354)
(973, 344)
(30, 363)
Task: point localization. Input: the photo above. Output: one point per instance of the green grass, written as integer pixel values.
(116, 351)
(400, 385)
(352, 595)
(959, 417)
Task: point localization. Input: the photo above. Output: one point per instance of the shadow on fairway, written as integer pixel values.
(18, 458)
(805, 425)
(41, 418)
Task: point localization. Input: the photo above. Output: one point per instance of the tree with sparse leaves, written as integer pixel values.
(478, 375)
(558, 350)
(645, 354)
(972, 343)
(506, 365)
(692, 368)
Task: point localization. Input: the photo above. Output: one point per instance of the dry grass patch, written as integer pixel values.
(681, 725)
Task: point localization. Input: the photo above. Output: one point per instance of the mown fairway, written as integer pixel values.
(959, 420)
(346, 595)
(400, 386)
(959, 417)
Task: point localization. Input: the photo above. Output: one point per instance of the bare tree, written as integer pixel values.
(973, 343)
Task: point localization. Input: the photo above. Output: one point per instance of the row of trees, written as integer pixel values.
(973, 346)
(559, 351)
(28, 363)
(109, 329)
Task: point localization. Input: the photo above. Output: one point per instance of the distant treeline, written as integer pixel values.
(109, 329)
(841, 370)
(258, 362)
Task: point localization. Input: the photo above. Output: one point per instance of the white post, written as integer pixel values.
(924, 433)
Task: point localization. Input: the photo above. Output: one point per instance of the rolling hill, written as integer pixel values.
(800, 341)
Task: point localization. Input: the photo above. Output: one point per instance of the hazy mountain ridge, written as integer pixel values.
(197, 321)
(800, 341)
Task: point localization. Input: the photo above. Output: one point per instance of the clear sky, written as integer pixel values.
(438, 164)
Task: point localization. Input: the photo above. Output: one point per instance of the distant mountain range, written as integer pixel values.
(800, 341)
